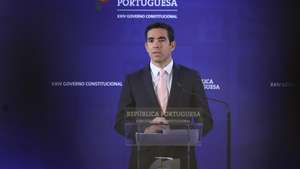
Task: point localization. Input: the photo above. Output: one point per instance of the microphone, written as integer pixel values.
(228, 119)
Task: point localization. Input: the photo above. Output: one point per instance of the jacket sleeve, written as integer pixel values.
(200, 101)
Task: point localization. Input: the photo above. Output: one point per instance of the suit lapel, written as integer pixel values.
(174, 88)
(149, 86)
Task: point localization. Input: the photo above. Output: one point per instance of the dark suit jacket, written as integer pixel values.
(186, 91)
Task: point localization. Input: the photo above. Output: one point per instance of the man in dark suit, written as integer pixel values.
(162, 85)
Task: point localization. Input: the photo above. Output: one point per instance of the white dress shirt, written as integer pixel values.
(155, 75)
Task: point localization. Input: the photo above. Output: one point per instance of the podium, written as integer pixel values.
(172, 148)
(180, 140)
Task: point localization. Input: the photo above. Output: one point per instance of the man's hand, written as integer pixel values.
(159, 120)
(158, 124)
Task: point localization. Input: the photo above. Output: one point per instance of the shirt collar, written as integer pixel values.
(155, 70)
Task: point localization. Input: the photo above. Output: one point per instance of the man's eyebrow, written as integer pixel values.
(161, 37)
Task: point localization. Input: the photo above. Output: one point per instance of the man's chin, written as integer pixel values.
(157, 61)
(157, 58)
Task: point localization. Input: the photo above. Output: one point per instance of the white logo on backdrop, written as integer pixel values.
(208, 84)
(282, 84)
(86, 84)
(147, 9)
(147, 3)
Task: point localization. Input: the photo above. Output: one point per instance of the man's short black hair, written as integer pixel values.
(163, 26)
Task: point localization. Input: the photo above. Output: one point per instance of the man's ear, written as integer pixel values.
(173, 45)
(146, 46)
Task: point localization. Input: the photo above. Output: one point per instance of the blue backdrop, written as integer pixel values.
(244, 51)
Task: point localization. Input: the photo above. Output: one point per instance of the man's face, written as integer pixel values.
(159, 47)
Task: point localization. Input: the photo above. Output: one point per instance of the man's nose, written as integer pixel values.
(156, 44)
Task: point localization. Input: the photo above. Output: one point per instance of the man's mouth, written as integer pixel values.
(156, 52)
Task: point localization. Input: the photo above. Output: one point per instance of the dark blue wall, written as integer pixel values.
(248, 48)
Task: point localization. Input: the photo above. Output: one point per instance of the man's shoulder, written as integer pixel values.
(139, 73)
(186, 69)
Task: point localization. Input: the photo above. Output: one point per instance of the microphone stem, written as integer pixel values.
(228, 140)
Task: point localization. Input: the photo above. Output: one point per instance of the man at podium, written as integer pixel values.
(162, 85)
